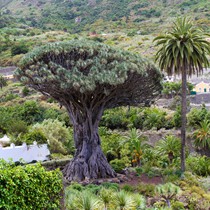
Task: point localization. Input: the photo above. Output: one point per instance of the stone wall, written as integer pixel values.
(27, 153)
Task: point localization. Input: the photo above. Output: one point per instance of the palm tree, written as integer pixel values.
(170, 146)
(137, 144)
(183, 51)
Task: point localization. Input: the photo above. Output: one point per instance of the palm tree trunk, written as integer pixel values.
(183, 117)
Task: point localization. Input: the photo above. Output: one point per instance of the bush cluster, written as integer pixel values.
(134, 117)
(29, 187)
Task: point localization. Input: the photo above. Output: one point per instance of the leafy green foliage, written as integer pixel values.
(117, 118)
(196, 116)
(8, 97)
(146, 189)
(140, 118)
(119, 164)
(19, 49)
(3, 82)
(171, 89)
(202, 135)
(169, 146)
(25, 91)
(154, 118)
(137, 145)
(35, 135)
(17, 128)
(29, 187)
(30, 112)
(57, 134)
(199, 165)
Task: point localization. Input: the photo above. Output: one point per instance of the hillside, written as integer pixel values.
(90, 15)
(127, 24)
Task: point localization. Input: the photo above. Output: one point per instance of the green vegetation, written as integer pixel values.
(176, 55)
(80, 15)
(141, 142)
(29, 187)
(3, 82)
(118, 146)
(88, 77)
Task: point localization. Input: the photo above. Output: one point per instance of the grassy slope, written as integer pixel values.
(61, 14)
(115, 22)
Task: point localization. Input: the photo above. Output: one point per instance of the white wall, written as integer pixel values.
(26, 152)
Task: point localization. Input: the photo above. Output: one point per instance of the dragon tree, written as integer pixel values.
(87, 78)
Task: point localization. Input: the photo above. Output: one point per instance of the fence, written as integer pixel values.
(27, 153)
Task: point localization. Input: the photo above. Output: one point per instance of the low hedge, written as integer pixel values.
(29, 187)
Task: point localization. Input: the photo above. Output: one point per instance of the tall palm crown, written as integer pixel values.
(184, 48)
(183, 51)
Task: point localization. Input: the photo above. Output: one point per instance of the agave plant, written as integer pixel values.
(167, 192)
(84, 200)
(140, 201)
(107, 197)
(88, 201)
(124, 201)
(71, 199)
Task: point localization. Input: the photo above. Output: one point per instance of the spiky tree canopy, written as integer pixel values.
(88, 77)
(77, 68)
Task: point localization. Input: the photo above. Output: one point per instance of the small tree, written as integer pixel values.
(87, 77)
(3, 82)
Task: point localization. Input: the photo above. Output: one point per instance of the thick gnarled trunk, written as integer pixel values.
(89, 162)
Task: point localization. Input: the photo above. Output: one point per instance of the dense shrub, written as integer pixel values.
(195, 116)
(177, 117)
(199, 165)
(20, 48)
(25, 91)
(30, 112)
(3, 82)
(29, 187)
(8, 97)
(154, 118)
(17, 127)
(140, 118)
(115, 118)
(59, 137)
(35, 135)
(118, 165)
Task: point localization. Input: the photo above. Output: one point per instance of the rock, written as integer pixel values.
(115, 180)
